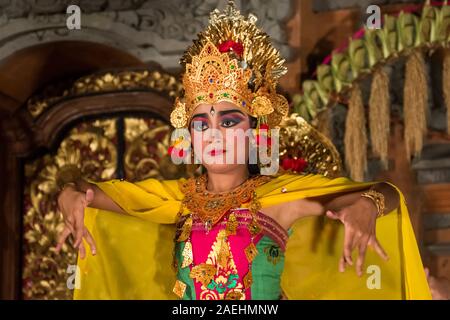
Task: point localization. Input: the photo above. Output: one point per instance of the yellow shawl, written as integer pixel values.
(134, 251)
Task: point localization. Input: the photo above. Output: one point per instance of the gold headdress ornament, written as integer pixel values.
(232, 60)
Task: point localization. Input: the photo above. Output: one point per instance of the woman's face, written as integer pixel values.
(220, 136)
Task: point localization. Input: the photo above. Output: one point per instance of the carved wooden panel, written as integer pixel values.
(90, 146)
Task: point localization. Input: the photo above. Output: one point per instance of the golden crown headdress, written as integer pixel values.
(232, 60)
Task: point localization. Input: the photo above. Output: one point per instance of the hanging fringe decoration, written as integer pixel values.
(355, 138)
(446, 85)
(379, 115)
(415, 103)
(323, 123)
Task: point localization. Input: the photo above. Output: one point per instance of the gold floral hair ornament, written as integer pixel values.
(232, 60)
(179, 117)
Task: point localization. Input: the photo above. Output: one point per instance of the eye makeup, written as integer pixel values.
(227, 119)
(230, 121)
(199, 124)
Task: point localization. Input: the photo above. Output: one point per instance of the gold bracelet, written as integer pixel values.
(378, 200)
(66, 175)
(73, 184)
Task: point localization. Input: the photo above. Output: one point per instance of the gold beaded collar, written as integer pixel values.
(210, 207)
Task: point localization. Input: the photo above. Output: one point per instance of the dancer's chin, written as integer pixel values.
(221, 167)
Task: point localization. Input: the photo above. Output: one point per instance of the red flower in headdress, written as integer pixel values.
(228, 45)
(262, 137)
(177, 152)
(296, 165)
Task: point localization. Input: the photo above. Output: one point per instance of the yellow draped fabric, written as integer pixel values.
(134, 259)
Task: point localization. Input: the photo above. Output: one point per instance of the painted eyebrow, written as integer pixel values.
(199, 115)
(222, 113)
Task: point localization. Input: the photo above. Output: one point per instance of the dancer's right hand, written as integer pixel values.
(72, 203)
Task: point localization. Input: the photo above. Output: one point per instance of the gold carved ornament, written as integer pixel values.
(301, 141)
(103, 82)
(147, 141)
(84, 150)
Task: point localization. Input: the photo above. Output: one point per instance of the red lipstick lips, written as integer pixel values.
(216, 152)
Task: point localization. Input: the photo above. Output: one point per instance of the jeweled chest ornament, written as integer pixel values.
(210, 207)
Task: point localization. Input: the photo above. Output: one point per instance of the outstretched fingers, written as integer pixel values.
(90, 240)
(82, 250)
(373, 242)
(362, 248)
(348, 245)
(62, 238)
(79, 225)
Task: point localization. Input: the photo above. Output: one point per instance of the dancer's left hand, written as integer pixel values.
(359, 221)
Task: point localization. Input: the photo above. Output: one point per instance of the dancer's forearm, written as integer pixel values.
(101, 199)
(337, 202)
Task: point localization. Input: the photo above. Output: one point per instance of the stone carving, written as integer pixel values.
(157, 30)
(328, 5)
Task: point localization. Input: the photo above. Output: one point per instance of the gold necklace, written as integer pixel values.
(210, 207)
